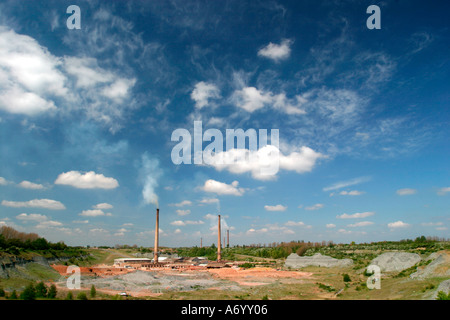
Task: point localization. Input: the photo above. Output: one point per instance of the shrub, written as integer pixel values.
(443, 296)
(29, 293)
(41, 290)
(52, 292)
(69, 296)
(13, 295)
(82, 296)
(93, 291)
(346, 278)
(2, 292)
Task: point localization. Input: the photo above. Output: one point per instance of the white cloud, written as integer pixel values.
(203, 92)
(256, 231)
(276, 52)
(29, 75)
(406, 192)
(118, 90)
(278, 207)
(264, 163)
(443, 191)
(317, 206)
(360, 224)
(30, 185)
(103, 206)
(36, 203)
(294, 224)
(251, 99)
(330, 225)
(221, 188)
(398, 224)
(357, 215)
(187, 222)
(31, 217)
(93, 213)
(181, 204)
(343, 184)
(88, 180)
(351, 193)
(177, 231)
(81, 221)
(4, 182)
(183, 212)
(48, 224)
(209, 201)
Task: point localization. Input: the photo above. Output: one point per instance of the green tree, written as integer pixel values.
(443, 296)
(52, 292)
(93, 291)
(29, 293)
(347, 278)
(41, 290)
(82, 296)
(2, 292)
(13, 295)
(69, 296)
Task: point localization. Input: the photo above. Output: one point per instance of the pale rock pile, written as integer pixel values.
(319, 260)
(439, 266)
(396, 261)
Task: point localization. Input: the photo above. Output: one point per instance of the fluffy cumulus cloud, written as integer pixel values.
(94, 213)
(278, 207)
(406, 192)
(103, 206)
(330, 225)
(221, 188)
(276, 52)
(203, 92)
(264, 163)
(30, 185)
(34, 81)
(29, 75)
(398, 225)
(88, 180)
(36, 203)
(252, 99)
(357, 215)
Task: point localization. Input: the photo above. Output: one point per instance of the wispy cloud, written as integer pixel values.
(357, 215)
(347, 183)
(406, 192)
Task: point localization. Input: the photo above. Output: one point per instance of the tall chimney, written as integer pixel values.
(155, 253)
(228, 238)
(201, 242)
(219, 244)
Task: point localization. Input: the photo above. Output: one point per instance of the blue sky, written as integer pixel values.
(86, 119)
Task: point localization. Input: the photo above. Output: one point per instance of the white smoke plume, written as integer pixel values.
(150, 173)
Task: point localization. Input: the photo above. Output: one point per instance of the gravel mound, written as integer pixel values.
(153, 281)
(295, 261)
(443, 286)
(439, 266)
(396, 261)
